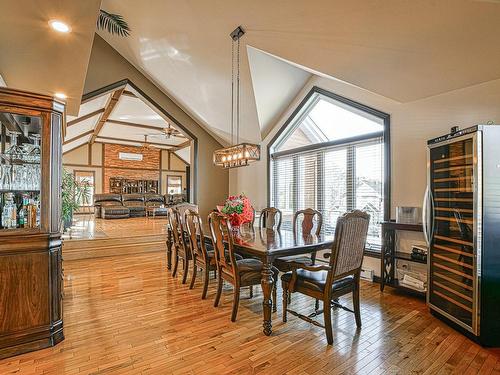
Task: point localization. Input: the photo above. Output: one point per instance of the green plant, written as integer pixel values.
(113, 23)
(72, 194)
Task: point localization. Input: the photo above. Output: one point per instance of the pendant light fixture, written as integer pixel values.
(240, 154)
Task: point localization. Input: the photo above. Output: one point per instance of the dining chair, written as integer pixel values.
(183, 207)
(182, 249)
(338, 278)
(240, 272)
(310, 218)
(270, 218)
(202, 258)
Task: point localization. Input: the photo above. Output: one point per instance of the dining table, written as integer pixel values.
(267, 245)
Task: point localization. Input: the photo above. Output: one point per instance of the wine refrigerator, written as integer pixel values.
(462, 227)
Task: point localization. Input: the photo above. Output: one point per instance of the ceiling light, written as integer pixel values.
(59, 26)
(239, 154)
(60, 95)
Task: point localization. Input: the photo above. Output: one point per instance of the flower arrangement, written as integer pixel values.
(238, 208)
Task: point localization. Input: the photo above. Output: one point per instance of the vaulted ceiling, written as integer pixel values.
(122, 117)
(404, 50)
(401, 49)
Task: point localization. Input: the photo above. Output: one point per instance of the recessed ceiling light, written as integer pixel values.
(60, 26)
(60, 95)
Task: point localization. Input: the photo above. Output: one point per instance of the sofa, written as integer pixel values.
(118, 206)
(107, 200)
(135, 203)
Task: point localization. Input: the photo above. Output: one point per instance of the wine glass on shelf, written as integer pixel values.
(34, 154)
(15, 151)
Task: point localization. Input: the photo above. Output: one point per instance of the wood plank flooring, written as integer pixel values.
(127, 315)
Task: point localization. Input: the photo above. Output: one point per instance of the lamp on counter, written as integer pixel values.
(240, 154)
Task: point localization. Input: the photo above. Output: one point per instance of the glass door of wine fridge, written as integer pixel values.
(451, 229)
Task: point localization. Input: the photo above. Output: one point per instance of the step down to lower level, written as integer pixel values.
(104, 247)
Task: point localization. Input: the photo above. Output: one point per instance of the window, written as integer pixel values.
(174, 185)
(331, 156)
(85, 178)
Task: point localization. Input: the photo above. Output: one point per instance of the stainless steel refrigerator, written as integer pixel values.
(462, 228)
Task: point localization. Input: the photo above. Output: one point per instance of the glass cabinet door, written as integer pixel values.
(452, 276)
(20, 171)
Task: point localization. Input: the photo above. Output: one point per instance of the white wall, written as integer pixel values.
(412, 124)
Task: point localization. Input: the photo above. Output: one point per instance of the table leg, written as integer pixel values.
(169, 249)
(267, 286)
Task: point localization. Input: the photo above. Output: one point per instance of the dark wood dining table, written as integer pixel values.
(267, 245)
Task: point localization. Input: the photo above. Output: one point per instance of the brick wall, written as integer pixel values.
(115, 167)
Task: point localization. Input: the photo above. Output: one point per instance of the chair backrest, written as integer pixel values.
(196, 236)
(177, 229)
(270, 218)
(220, 228)
(349, 245)
(183, 207)
(308, 221)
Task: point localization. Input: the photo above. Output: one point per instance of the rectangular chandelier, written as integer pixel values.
(237, 156)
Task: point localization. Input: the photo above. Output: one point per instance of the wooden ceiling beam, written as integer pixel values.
(110, 105)
(85, 117)
(78, 137)
(134, 125)
(133, 141)
(182, 145)
(129, 93)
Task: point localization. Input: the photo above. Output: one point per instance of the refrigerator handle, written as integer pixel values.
(431, 216)
(425, 220)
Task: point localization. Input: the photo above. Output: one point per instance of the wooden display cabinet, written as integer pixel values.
(30, 240)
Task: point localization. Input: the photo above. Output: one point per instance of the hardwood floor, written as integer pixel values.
(127, 315)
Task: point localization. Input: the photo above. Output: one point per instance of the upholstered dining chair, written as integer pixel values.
(235, 270)
(310, 219)
(270, 218)
(182, 249)
(340, 277)
(202, 258)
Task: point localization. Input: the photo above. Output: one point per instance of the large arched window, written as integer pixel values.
(332, 155)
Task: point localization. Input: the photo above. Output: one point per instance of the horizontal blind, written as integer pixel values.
(332, 180)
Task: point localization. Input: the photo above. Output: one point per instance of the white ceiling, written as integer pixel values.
(133, 115)
(35, 58)
(404, 50)
(275, 84)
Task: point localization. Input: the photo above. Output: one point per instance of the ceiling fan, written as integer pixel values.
(168, 132)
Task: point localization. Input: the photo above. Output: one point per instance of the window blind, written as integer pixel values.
(332, 180)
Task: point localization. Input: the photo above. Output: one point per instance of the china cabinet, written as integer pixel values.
(30, 242)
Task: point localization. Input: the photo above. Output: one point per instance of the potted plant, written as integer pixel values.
(72, 194)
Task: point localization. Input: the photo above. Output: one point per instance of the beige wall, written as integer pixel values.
(107, 66)
(412, 124)
(77, 159)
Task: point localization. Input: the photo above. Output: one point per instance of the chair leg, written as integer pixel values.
(355, 301)
(316, 305)
(185, 270)
(251, 291)
(236, 302)
(275, 296)
(206, 277)
(193, 276)
(219, 290)
(285, 303)
(327, 310)
(176, 264)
